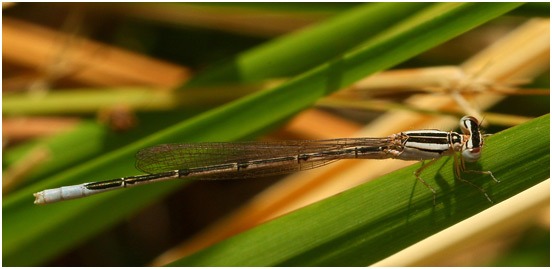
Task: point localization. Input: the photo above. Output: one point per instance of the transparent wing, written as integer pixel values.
(168, 157)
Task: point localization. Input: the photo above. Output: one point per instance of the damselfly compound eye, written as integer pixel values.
(471, 155)
(468, 123)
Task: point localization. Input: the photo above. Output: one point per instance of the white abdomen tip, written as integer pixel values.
(61, 194)
(39, 198)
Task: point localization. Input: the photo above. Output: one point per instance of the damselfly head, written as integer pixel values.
(471, 149)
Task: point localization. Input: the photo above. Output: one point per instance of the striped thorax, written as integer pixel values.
(433, 144)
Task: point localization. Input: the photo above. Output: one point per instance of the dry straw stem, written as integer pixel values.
(437, 80)
(248, 21)
(521, 55)
(382, 105)
(7, 4)
(321, 124)
(83, 60)
(12, 176)
(55, 55)
(441, 79)
(22, 128)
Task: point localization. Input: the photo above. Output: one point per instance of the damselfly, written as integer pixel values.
(235, 160)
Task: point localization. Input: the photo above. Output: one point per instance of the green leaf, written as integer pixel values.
(370, 222)
(49, 230)
(301, 50)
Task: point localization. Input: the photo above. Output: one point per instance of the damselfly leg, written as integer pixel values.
(463, 166)
(459, 166)
(417, 174)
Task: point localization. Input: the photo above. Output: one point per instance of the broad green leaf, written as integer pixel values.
(370, 222)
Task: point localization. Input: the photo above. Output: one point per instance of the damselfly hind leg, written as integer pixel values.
(476, 171)
(417, 174)
(460, 167)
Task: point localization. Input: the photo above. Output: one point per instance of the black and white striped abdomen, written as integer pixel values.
(426, 145)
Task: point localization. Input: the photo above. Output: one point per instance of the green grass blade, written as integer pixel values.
(90, 101)
(302, 50)
(49, 230)
(370, 222)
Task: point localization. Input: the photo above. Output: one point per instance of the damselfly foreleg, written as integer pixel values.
(458, 167)
(463, 166)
